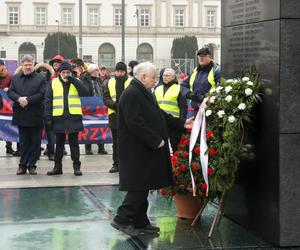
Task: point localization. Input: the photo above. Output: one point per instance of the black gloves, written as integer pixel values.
(194, 97)
(72, 79)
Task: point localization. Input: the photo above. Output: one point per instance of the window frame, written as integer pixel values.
(35, 15)
(18, 14)
(208, 21)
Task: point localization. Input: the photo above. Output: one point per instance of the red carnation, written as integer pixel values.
(174, 160)
(195, 166)
(176, 153)
(182, 167)
(176, 172)
(163, 191)
(212, 152)
(184, 154)
(204, 186)
(197, 150)
(209, 134)
(172, 193)
(210, 171)
(186, 142)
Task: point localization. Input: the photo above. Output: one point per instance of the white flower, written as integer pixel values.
(212, 90)
(228, 89)
(229, 81)
(228, 98)
(231, 119)
(208, 112)
(212, 99)
(235, 81)
(249, 83)
(242, 106)
(205, 99)
(218, 89)
(221, 113)
(245, 79)
(248, 91)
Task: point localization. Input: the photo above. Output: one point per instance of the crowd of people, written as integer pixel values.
(144, 115)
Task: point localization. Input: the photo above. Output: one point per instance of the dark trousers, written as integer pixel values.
(133, 210)
(74, 148)
(51, 139)
(115, 147)
(30, 146)
(89, 146)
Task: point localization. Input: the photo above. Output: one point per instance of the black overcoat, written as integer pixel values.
(142, 125)
(32, 86)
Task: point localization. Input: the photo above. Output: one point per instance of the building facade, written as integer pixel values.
(150, 27)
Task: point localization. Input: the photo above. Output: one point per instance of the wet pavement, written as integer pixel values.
(69, 213)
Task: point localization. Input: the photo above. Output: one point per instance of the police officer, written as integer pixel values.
(111, 95)
(63, 113)
(170, 100)
(203, 78)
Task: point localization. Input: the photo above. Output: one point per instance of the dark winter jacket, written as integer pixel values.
(67, 122)
(142, 125)
(33, 87)
(93, 83)
(110, 103)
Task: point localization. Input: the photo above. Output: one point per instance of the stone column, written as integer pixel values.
(266, 197)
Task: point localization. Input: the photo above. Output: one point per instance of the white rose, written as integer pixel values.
(228, 98)
(249, 83)
(242, 106)
(212, 90)
(229, 80)
(221, 113)
(245, 79)
(248, 91)
(228, 89)
(212, 99)
(208, 112)
(218, 89)
(231, 119)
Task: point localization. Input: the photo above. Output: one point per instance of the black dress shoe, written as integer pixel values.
(16, 153)
(149, 229)
(32, 170)
(127, 229)
(21, 171)
(77, 172)
(55, 171)
(10, 151)
(102, 152)
(114, 169)
(88, 152)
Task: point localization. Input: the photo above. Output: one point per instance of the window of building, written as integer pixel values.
(93, 14)
(144, 17)
(67, 16)
(211, 18)
(118, 17)
(40, 16)
(13, 15)
(88, 58)
(179, 18)
(2, 54)
(106, 55)
(144, 53)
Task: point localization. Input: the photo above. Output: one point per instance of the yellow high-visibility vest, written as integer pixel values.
(168, 102)
(58, 99)
(113, 93)
(210, 78)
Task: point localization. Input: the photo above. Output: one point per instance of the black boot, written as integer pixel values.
(101, 149)
(114, 169)
(77, 171)
(57, 170)
(88, 149)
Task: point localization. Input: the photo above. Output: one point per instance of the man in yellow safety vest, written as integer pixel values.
(204, 77)
(111, 95)
(170, 100)
(63, 114)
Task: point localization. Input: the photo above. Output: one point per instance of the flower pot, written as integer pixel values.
(187, 205)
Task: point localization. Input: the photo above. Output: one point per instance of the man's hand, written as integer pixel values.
(162, 143)
(189, 123)
(5, 89)
(23, 101)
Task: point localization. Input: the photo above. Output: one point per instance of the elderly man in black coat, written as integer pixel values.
(144, 155)
(27, 91)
